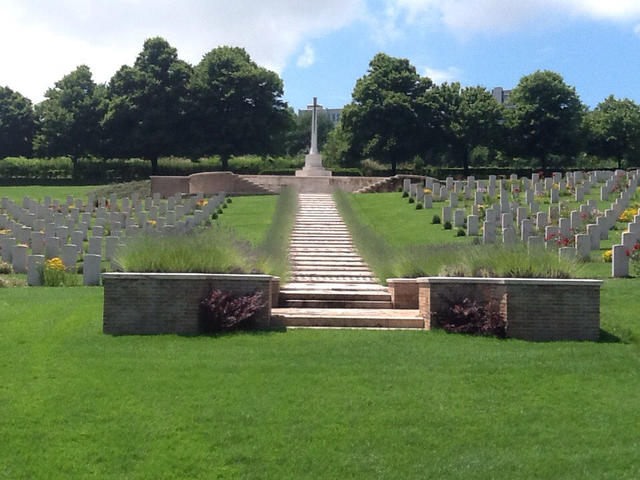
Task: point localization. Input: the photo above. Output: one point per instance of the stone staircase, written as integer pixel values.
(330, 284)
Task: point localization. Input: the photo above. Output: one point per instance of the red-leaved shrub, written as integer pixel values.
(223, 311)
(467, 316)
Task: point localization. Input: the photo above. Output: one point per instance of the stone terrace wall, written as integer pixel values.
(230, 183)
(154, 303)
(534, 309)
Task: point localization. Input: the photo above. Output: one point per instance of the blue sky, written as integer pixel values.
(321, 48)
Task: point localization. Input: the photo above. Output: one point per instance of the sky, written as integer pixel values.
(320, 48)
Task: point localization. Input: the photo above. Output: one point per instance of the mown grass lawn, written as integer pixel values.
(249, 216)
(308, 403)
(75, 403)
(38, 192)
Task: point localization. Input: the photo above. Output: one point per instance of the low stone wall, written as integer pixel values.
(168, 186)
(312, 184)
(154, 303)
(404, 293)
(230, 183)
(534, 309)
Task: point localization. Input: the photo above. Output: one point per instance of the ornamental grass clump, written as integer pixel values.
(213, 250)
(512, 262)
(273, 252)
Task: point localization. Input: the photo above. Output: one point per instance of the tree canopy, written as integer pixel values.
(383, 119)
(145, 114)
(614, 129)
(236, 106)
(69, 117)
(466, 118)
(546, 116)
(17, 124)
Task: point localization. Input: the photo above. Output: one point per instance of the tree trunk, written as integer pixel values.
(225, 162)
(74, 163)
(394, 166)
(154, 164)
(464, 153)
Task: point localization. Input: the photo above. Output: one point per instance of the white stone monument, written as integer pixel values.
(313, 160)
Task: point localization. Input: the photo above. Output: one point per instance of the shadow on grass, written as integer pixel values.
(242, 332)
(606, 337)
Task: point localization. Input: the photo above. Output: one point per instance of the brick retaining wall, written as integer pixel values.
(534, 309)
(154, 303)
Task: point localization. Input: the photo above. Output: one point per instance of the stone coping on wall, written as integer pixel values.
(187, 276)
(504, 281)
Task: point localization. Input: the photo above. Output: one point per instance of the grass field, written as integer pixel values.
(307, 403)
(250, 216)
(38, 192)
(317, 404)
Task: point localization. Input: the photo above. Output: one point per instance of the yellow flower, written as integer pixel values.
(4, 231)
(54, 264)
(202, 202)
(427, 190)
(628, 214)
(607, 256)
(152, 222)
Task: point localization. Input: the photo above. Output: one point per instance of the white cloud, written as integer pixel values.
(450, 74)
(467, 17)
(307, 57)
(45, 39)
(636, 29)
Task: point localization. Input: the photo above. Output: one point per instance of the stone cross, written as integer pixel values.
(314, 125)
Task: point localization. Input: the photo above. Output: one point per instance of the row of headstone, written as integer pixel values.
(584, 236)
(48, 233)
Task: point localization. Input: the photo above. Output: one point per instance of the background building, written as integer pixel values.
(502, 96)
(332, 113)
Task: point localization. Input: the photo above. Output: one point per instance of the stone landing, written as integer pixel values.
(330, 284)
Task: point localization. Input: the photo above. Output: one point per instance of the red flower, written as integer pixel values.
(627, 252)
(583, 215)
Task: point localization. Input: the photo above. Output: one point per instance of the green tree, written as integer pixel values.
(69, 117)
(546, 117)
(468, 118)
(145, 113)
(17, 124)
(236, 106)
(298, 138)
(613, 129)
(383, 120)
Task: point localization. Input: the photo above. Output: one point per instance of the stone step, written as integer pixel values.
(336, 272)
(330, 268)
(333, 279)
(318, 247)
(336, 317)
(319, 294)
(308, 303)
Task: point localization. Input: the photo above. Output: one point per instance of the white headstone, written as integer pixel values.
(91, 270)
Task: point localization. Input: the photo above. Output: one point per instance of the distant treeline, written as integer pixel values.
(228, 107)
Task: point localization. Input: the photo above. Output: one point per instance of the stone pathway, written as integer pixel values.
(330, 284)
